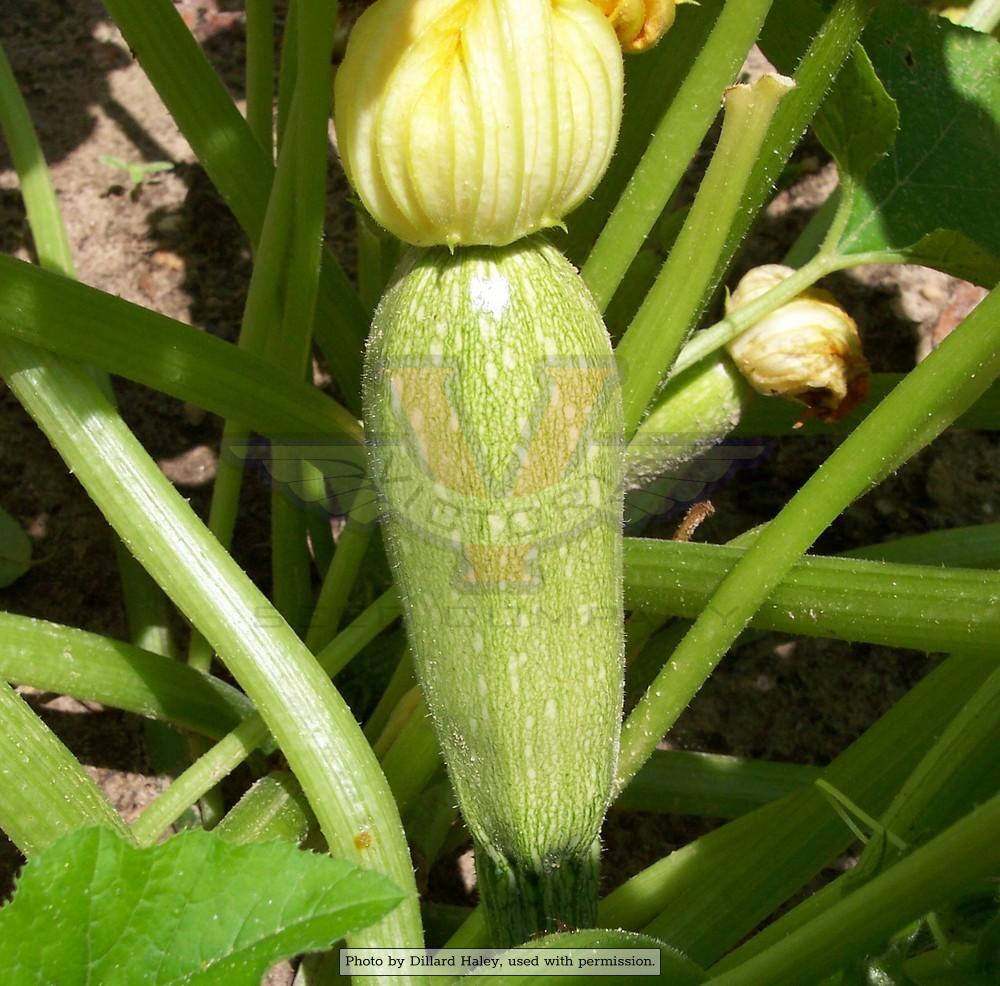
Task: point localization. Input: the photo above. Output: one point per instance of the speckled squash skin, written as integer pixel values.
(493, 407)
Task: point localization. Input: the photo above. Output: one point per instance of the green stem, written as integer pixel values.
(150, 617)
(653, 339)
(652, 82)
(274, 808)
(44, 792)
(914, 606)
(315, 500)
(977, 546)
(265, 318)
(73, 662)
(922, 406)
(674, 143)
(958, 858)
(288, 343)
(400, 716)
(222, 512)
(430, 823)
(708, 895)
(312, 723)
(226, 755)
(706, 342)
(951, 774)
(40, 202)
(522, 900)
(291, 572)
(213, 766)
(813, 77)
(369, 245)
(947, 780)
(639, 628)
(841, 216)
(811, 238)
(289, 69)
(634, 287)
(413, 759)
(261, 312)
(146, 608)
(340, 577)
(237, 165)
(260, 71)
(940, 965)
(402, 680)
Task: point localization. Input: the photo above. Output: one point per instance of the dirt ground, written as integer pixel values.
(172, 246)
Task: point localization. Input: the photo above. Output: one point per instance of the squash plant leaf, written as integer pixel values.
(15, 550)
(858, 119)
(932, 192)
(926, 192)
(675, 968)
(949, 250)
(93, 909)
(857, 122)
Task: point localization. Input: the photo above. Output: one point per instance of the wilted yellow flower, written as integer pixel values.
(807, 350)
(639, 24)
(477, 121)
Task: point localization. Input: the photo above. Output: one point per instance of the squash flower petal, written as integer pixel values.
(639, 24)
(808, 350)
(477, 122)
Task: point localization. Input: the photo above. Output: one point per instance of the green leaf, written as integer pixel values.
(951, 251)
(857, 120)
(15, 550)
(675, 968)
(942, 170)
(857, 123)
(195, 910)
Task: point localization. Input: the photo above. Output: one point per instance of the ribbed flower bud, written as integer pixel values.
(639, 24)
(807, 350)
(477, 121)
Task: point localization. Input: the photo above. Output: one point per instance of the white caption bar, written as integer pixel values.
(499, 962)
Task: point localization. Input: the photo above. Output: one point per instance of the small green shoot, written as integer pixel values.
(137, 171)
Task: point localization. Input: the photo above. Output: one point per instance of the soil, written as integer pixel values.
(171, 245)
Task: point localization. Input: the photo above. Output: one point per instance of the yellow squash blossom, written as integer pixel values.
(465, 122)
(807, 350)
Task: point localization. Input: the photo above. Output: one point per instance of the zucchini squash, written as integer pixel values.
(493, 408)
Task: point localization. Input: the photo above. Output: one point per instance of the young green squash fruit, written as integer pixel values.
(493, 407)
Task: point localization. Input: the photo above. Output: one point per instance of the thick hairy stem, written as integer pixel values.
(525, 900)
